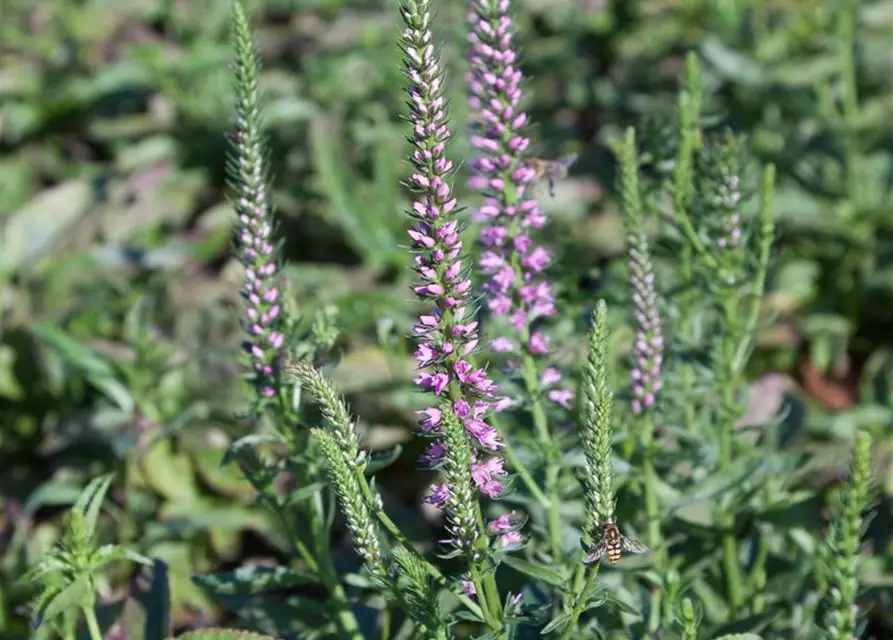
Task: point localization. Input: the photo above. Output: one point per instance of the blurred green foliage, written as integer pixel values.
(119, 322)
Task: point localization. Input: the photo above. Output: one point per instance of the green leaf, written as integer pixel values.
(71, 351)
(98, 371)
(169, 472)
(382, 459)
(51, 494)
(111, 552)
(538, 572)
(74, 596)
(739, 636)
(90, 501)
(621, 605)
(743, 473)
(254, 579)
(298, 496)
(31, 232)
(557, 624)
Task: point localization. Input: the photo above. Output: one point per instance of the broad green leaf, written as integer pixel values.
(739, 636)
(72, 351)
(97, 370)
(51, 494)
(112, 552)
(169, 472)
(225, 479)
(31, 232)
(536, 571)
(46, 566)
(254, 579)
(75, 595)
(279, 615)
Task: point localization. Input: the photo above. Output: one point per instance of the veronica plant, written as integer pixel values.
(514, 263)
(495, 575)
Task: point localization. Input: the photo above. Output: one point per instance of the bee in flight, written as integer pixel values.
(613, 543)
(551, 170)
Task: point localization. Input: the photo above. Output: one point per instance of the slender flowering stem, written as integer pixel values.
(595, 431)
(463, 443)
(255, 247)
(257, 252)
(839, 574)
(648, 347)
(513, 263)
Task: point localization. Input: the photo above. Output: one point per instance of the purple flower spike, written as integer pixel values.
(447, 335)
(649, 344)
(513, 263)
(255, 247)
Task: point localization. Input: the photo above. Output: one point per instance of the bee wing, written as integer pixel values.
(633, 546)
(596, 552)
(567, 160)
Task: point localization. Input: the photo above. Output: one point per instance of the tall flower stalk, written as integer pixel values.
(255, 246)
(595, 431)
(839, 573)
(256, 250)
(648, 347)
(513, 263)
(463, 443)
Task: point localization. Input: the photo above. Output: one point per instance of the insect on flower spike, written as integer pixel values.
(613, 543)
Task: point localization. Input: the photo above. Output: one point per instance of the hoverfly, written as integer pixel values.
(551, 170)
(612, 542)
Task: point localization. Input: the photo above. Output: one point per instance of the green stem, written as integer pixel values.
(525, 475)
(92, 623)
(574, 619)
(544, 437)
(730, 564)
(493, 601)
(685, 328)
(395, 531)
(652, 514)
(482, 596)
(386, 623)
(328, 574)
(756, 580)
(729, 381)
(847, 68)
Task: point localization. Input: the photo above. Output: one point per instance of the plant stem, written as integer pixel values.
(327, 572)
(729, 384)
(652, 514)
(544, 437)
(92, 623)
(574, 619)
(523, 472)
(846, 39)
(395, 531)
(493, 601)
(730, 563)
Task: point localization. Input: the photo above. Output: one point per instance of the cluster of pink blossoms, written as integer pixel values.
(513, 263)
(649, 345)
(447, 335)
(256, 249)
